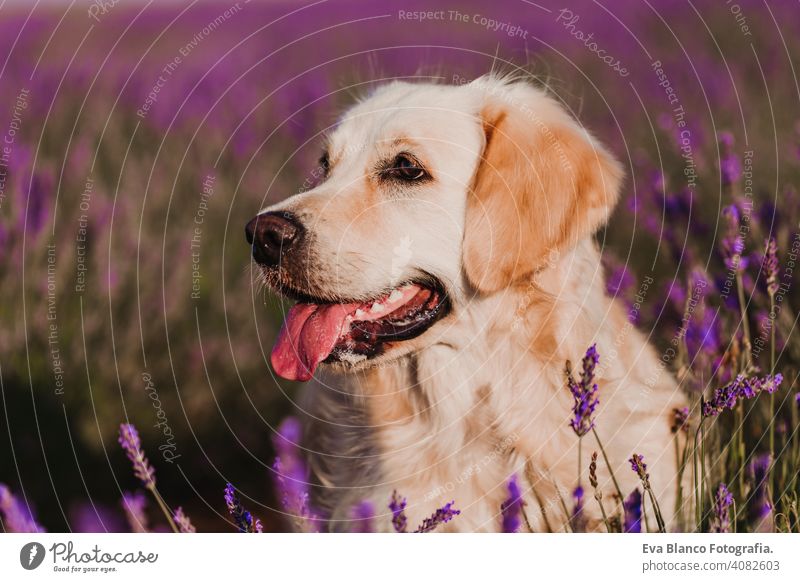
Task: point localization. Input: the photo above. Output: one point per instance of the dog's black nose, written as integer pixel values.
(272, 234)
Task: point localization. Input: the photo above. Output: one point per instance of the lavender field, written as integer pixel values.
(139, 138)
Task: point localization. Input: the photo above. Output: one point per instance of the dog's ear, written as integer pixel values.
(543, 184)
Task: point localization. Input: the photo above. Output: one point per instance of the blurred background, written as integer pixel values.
(139, 137)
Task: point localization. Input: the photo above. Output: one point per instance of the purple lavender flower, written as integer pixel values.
(578, 518)
(440, 516)
(771, 266)
(241, 517)
(632, 507)
(129, 440)
(584, 393)
(680, 420)
(724, 397)
(363, 517)
(730, 166)
(723, 501)
(398, 508)
(511, 508)
(17, 516)
(294, 496)
(183, 522)
(797, 399)
(759, 506)
(134, 506)
(742, 387)
(769, 384)
(638, 466)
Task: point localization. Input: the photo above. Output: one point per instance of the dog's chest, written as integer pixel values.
(459, 440)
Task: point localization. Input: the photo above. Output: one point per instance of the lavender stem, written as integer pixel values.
(610, 468)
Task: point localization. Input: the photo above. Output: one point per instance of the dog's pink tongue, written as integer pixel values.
(307, 337)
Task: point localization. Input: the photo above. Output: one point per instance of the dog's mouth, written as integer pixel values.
(351, 331)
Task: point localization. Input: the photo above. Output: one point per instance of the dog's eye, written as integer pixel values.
(325, 163)
(407, 168)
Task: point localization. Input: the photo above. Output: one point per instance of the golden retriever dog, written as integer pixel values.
(445, 270)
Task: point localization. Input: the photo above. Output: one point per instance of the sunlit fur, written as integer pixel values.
(507, 225)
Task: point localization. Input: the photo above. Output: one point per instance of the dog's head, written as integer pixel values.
(432, 194)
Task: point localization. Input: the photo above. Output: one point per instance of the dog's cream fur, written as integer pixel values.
(507, 225)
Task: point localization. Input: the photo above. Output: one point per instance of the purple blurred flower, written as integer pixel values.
(584, 393)
(742, 387)
(440, 516)
(134, 505)
(680, 420)
(289, 435)
(730, 166)
(578, 518)
(632, 507)
(363, 517)
(733, 241)
(183, 522)
(241, 517)
(129, 440)
(771, 266)
(398, 508)
(759, 506)
(703, 336)
(511, 508)
(619, 281)
(41, 189)
(291, 476)
(17, 516)
(92, 517)
(703, 324)
(723, 500)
